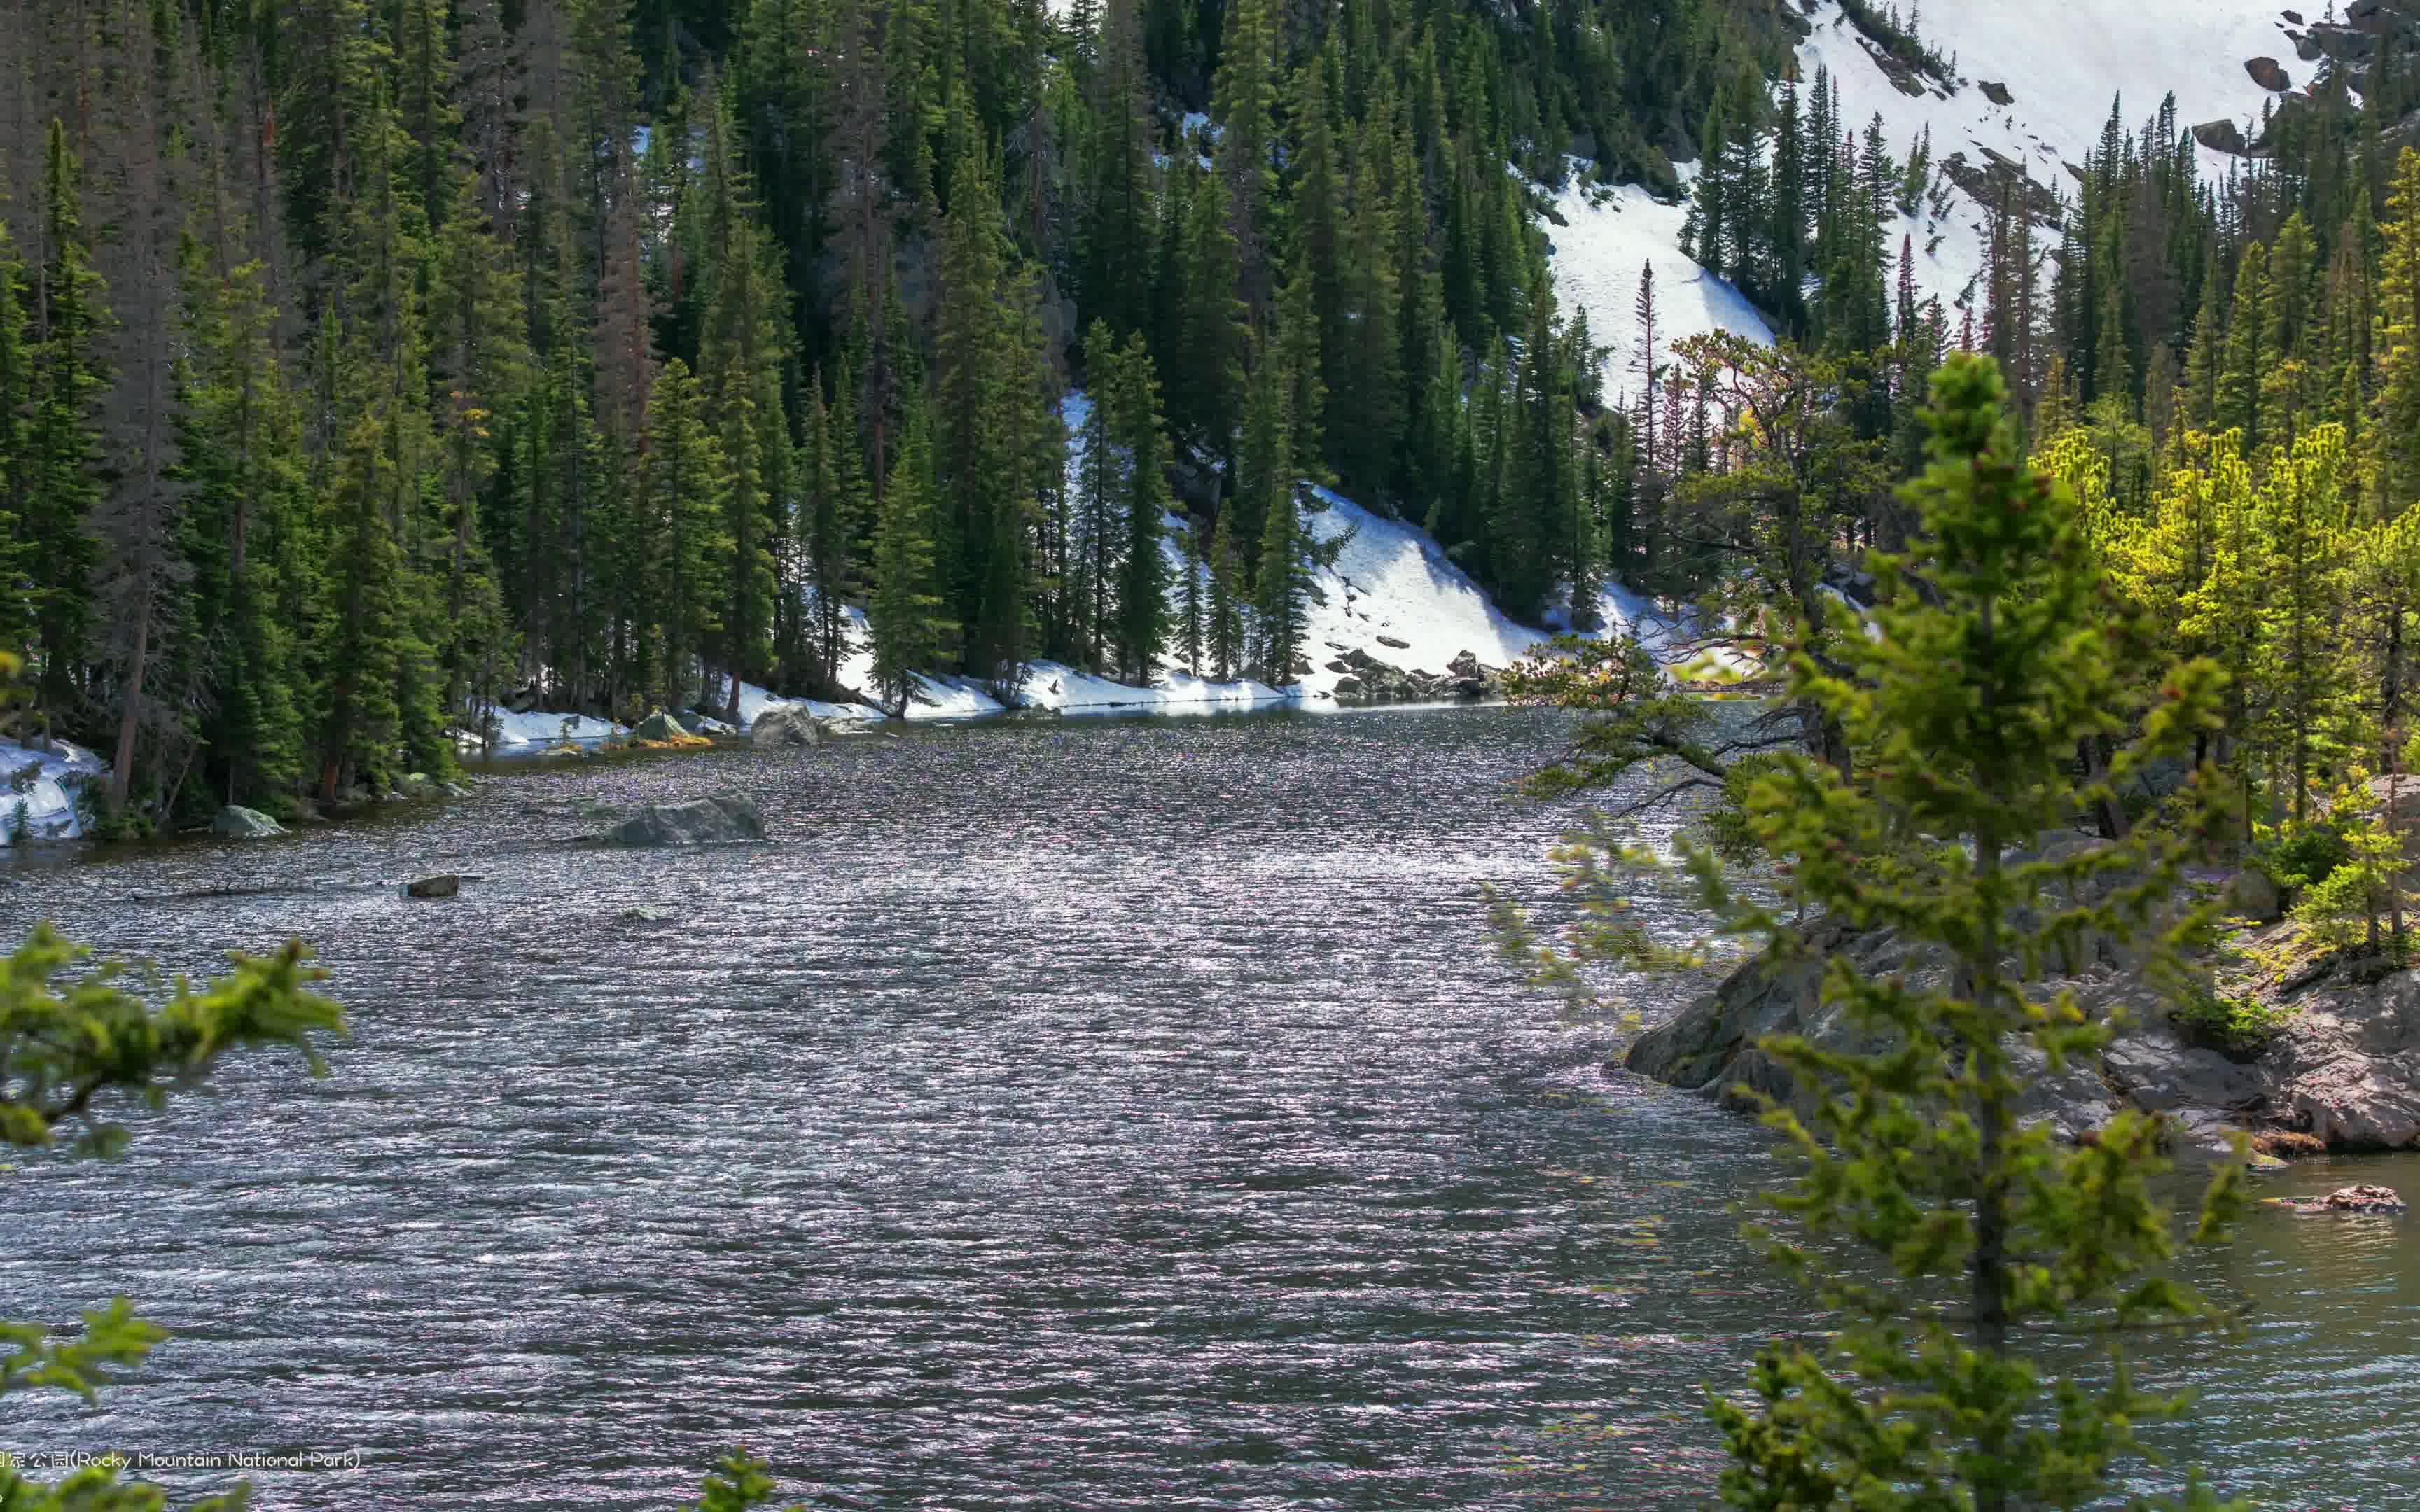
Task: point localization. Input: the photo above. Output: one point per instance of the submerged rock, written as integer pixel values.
(444, 887)
(786, 724)
(720, 819)
(245, 824)
(2347, 1199)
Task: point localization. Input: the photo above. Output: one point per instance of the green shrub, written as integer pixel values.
(2236, 1024)
(2309, 856)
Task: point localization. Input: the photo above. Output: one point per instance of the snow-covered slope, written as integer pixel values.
(37, 790)
(1394, 593)
(2061, 63)
(1605, 239)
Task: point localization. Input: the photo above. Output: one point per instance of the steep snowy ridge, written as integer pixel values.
(2061, 63)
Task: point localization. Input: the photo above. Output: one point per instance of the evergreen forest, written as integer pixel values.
(366, 364)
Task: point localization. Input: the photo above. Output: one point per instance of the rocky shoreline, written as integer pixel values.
(2340, 1073)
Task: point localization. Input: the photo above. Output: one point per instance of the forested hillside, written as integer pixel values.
(364, 361)
(362, 358)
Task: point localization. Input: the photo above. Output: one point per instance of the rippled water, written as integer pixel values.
(1094, 1116)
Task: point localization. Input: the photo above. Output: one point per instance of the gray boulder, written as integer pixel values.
(2251, 894)
(419, 785)
(1713, 1046)
(245, 824)
(718, 820)
(444, 887)
(786, 724)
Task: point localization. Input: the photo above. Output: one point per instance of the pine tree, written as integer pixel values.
(2303, 520)
(68, 376)
(684, 520)
(17, 595)
(1280, 589)
(908, 614)
(2239, 381)
(1190, 592)
(1245, 107)
(2394, 437)
(1981, 1229)
(1141, 629)
(1224, 628)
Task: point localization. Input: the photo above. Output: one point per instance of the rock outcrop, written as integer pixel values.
(786, 724)
(2269, 74)
(2363, 1198)
(441, 887)
(245, 824)
(2344, 1070)
(1367, 680)
(720, 819)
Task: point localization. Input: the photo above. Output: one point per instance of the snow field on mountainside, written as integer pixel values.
(1607, 237)
(2063, 63)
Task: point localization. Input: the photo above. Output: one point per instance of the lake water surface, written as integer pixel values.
(1086, 1116)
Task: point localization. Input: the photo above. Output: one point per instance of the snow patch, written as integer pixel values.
(1050, 686)
(525, 734)
(41, 786)
(1608, 236)
(2135, 53)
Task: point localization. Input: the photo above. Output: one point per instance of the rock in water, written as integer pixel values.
(2349, 1199)
(710, 821)
(245, 824)
(788, 724)
(445, 887)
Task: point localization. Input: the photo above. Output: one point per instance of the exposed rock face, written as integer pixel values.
(2222, 136)
(245, 824)
(1712, 1046)
(445, 887)
(1997, 177)
(1998, 94)
(716, 820)
(788, 724)
(2269, 74)
(2345, 1070)
(1369, 681)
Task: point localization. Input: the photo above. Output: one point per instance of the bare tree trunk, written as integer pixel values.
(130, 719)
